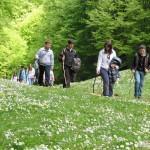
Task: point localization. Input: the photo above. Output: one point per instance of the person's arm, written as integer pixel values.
(61, 56)
(52, 60)
(33, 72)
(115, 55)
(133, 67)
(99, 62)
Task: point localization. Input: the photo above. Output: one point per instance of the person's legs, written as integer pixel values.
(47, 75)
(66, 77)
(105, 77)
(141, 83)
(32, 81)
(36, 75)
(29, 80)
(111, 87)
(41, 72)
(137, 83)
(51, 82)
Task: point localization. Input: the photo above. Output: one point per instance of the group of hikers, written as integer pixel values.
(108, 66)
(30, 75)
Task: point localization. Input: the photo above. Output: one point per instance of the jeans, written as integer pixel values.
(43, 69)
(31, 80)
(139, 80)
(107, 85)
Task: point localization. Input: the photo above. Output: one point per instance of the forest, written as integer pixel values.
(26, 24)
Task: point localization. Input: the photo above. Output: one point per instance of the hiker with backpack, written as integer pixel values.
(104, 58)
(140, 67)
(70, 63)
(45, 57)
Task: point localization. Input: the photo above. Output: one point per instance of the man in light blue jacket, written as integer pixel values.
(45, 58)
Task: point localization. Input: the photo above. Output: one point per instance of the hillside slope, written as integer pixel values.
(55, 118)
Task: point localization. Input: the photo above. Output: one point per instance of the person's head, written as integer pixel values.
(47, 45)
(113, 65)
(14, 74)
(108, 47)
(22, 67)
(30, 67)
(142, 50)
(70, 44)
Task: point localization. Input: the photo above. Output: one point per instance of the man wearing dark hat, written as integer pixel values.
(67, 56)
(140, 67)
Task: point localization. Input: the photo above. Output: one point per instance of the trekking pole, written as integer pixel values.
(64, 71)
(94, 84)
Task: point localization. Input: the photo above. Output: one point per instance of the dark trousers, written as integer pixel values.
(69, 76)
(107, 85)
(43, 69)
(36, 75)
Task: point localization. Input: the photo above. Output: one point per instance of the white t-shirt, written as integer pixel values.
(31, 73)
(104, 59)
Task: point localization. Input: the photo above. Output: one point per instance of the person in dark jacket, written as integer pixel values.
(66, 57)
(140, 67)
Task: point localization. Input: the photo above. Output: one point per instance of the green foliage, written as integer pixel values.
(90, 23)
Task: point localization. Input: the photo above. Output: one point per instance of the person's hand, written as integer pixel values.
(52, 68)
(146, 70)
(133, 71)
(63, 58)
(97, 72)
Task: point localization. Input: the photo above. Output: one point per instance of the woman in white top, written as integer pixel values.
(31, 74)
(104, 59)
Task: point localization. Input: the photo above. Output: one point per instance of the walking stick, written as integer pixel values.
(64, 71)
(94, 84)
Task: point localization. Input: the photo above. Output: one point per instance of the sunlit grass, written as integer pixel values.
(56, 118)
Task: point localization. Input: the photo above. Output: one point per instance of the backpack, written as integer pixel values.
(76, 64)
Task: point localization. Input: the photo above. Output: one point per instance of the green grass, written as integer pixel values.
(55, 118)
